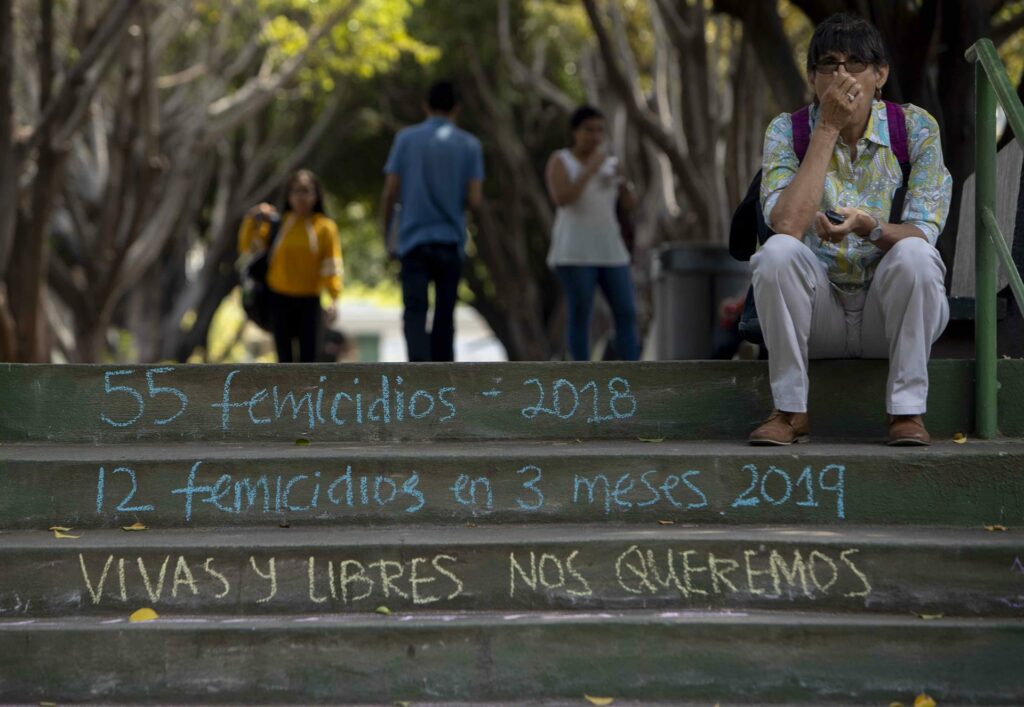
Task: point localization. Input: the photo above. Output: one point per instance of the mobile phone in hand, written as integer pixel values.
(834, 217)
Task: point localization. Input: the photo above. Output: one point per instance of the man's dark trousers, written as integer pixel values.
(442, 264)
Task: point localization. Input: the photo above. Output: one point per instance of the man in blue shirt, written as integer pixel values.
(434, 171)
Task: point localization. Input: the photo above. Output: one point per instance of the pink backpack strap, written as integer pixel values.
(801, 120)
(897, 131)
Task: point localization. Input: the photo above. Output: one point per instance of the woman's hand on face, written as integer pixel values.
(837, 108)
(853, 222)
(595, 161)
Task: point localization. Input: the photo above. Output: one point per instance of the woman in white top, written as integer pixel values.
(587, 249)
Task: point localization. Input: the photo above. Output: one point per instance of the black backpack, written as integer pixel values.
(253, 278)
(748, 227)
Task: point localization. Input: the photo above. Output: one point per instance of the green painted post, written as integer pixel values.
(985, 258)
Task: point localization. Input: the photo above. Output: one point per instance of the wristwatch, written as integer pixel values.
(875, 234)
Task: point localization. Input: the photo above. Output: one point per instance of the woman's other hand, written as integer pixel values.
(596, 161)
(854, 221)
(262, 212)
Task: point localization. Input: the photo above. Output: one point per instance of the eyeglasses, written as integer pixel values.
(829, 67)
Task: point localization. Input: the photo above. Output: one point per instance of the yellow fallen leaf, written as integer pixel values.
(141, 615)
(923, 700)
(928, 617)
(666, 522)
(134, 526)
(59, 531)
(301, 441)
(470, 525)
(383, 610)
(599, 700)
(959, 438)
(651, 439)
(993, 528)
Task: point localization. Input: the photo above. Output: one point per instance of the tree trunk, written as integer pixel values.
(8, 163)
(763, 30)
(28, 261)
(962, 25)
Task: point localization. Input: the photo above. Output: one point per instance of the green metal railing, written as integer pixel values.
(990, 250)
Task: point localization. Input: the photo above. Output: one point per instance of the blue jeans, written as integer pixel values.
(440, 263)
(579, 283)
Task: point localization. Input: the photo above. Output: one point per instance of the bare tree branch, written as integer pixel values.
(76, 89)
(684, 167)
(183, 77)
(302, 151)
(763, 29)
(521, 75)
(226, 113)
(8, 163)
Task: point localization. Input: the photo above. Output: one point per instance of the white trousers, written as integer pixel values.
(803, 317)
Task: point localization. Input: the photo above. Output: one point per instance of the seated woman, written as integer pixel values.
(862, 287)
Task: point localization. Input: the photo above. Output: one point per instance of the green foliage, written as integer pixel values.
(561, 30)
(366, 260)
(798, 29)
(1012, 50)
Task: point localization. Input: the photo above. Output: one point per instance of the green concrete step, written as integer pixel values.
(265, 484)
(579, 567)
(583, 702)
(352, 402)
(751, 657)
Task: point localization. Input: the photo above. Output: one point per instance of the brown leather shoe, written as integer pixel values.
(782, 428)
(908, 431)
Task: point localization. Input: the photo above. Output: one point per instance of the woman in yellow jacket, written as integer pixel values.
(305, 259)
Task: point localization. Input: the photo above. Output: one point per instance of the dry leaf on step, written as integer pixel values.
(134, 526)
(923, 700)
(59, 531)
(666, 522)
(599, 700)
(994, 528)
(383, 610)
(928, 617)
(651, 439)
(145, 614)
(959, 438)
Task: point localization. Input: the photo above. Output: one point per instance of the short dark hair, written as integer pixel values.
(847, 34)
(583, 114)
(443, 97)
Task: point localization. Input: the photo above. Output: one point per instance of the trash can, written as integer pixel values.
(690, 282)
